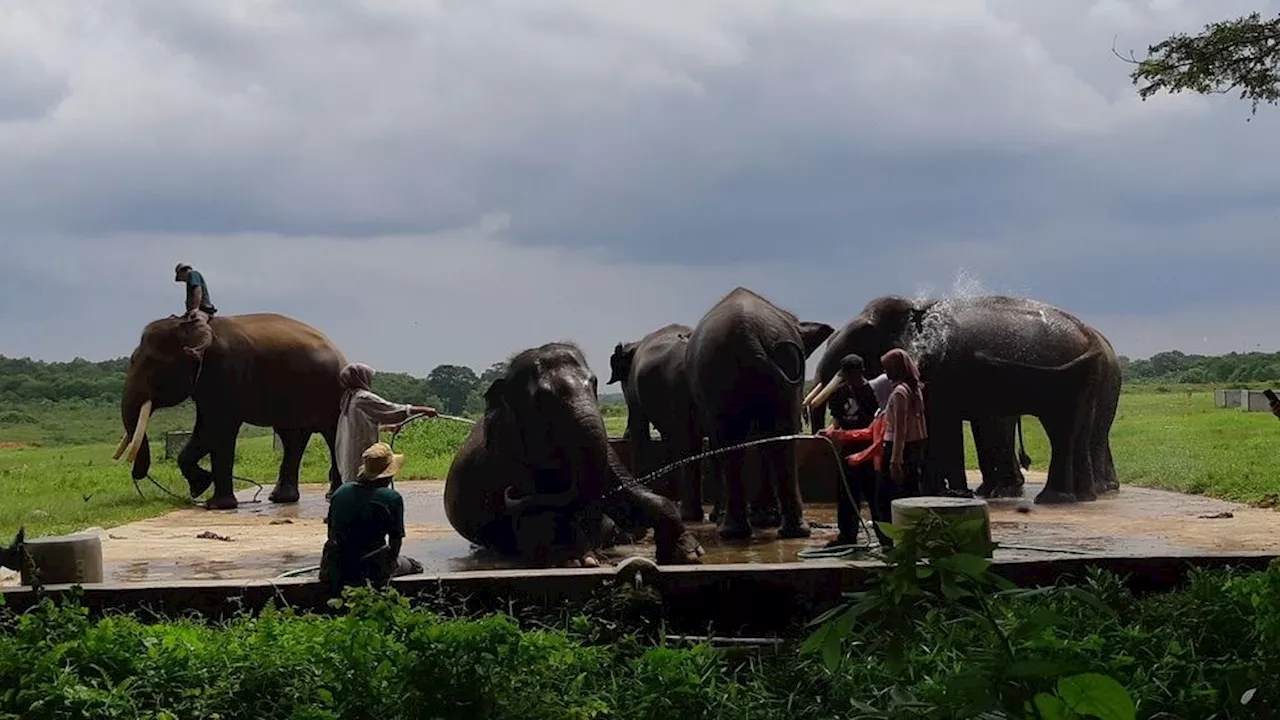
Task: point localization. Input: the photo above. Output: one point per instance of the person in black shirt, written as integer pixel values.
(853, 406)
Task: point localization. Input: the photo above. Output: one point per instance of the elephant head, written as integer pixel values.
(161, 374)
(620, 362)
(544, 413)
(885, 323)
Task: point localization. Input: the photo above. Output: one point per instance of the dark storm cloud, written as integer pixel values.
(453, 181)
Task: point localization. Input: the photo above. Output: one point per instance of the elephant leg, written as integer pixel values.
(1104, 466)
(1058, 488)
(689, 488)
(223, 458)
(764, 509)
(198, 479)
(944, 466)
(782, 473)
(1082, 453)
(982, 444)
(295, 446)
(335, 475)
(734, 524)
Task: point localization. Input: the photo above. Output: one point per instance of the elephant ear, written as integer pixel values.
(813, 335)
(620, 362)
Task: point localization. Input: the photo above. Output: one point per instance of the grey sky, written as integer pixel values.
(450, 181)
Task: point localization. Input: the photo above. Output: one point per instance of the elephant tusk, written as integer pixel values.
(808, 399)
(140, 431)
(826, 392)
(124, 443)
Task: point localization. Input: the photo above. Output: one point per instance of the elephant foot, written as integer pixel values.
(1106, 487)
(221, 502)
(798, 530)
(999, 490)
(197, 486)
(731, 529)
(1086, 496)
(685, 550)
(284, 494)
(766, 518)
(691, 514)
(588, 560)
(1054, 497)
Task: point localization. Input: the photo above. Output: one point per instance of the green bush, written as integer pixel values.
(1209, 650)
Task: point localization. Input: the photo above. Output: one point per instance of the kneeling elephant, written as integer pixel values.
(536, 478)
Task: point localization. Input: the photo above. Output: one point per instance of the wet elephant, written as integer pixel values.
(999, 357)
(261, 369)
(536, 477)
(655, 385)
(746, 360)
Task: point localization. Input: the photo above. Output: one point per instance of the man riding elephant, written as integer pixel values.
(262, 369)
(199, 309)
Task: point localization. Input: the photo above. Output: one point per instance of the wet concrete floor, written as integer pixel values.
(263, 540)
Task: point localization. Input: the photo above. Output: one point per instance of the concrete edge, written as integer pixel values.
(694, 598)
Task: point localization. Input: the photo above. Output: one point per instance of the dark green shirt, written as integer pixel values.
(196, 280)
(362, 518)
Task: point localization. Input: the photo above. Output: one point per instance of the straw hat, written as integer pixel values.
(379, 462)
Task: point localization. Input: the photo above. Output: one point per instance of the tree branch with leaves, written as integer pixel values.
(1232, 55)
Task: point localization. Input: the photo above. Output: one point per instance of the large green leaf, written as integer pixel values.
(1098, 696)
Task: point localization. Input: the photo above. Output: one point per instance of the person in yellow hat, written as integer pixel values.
(366, 526)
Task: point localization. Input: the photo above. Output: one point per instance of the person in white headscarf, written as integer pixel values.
(363, 413)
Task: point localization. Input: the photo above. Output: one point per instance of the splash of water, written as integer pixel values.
(930, 342)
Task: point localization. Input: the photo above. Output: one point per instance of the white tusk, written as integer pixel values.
(124, 443)
(826, 392)
(817, 388)
(140, 431)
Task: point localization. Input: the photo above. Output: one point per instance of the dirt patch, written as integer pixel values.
(263, 540)
(9, 445)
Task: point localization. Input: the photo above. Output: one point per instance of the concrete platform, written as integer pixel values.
(264, 540)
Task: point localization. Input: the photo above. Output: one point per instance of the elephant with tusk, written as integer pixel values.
(262, 369)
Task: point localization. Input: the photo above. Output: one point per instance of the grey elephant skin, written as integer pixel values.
(655, 385)
(746, 361)
(992, 357)
(262, 369)
(1000, 461)
(536, 477)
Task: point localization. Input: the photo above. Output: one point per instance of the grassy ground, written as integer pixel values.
(1161, 439)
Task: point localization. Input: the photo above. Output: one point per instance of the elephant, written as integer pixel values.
(746, 364)
(993, 437)
(993, 357)
(262, 369)
(656, 388)
(536, 477)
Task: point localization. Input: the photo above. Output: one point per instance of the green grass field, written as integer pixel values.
(1172, 440)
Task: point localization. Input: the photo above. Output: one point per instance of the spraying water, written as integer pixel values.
(930, 341)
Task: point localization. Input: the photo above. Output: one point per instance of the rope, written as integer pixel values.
(138, 487)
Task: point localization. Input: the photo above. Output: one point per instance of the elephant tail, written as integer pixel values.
(1023, 458)
(787, 359)
(1069, 366)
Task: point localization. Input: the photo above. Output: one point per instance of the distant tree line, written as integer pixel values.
(453, 389)
(1177, 367)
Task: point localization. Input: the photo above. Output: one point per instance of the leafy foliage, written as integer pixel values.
(1241, 54)
(1209, 650)
(1237, 369)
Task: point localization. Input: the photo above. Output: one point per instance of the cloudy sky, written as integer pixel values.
(452, 181)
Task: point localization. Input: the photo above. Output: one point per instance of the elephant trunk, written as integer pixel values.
(584, 452)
